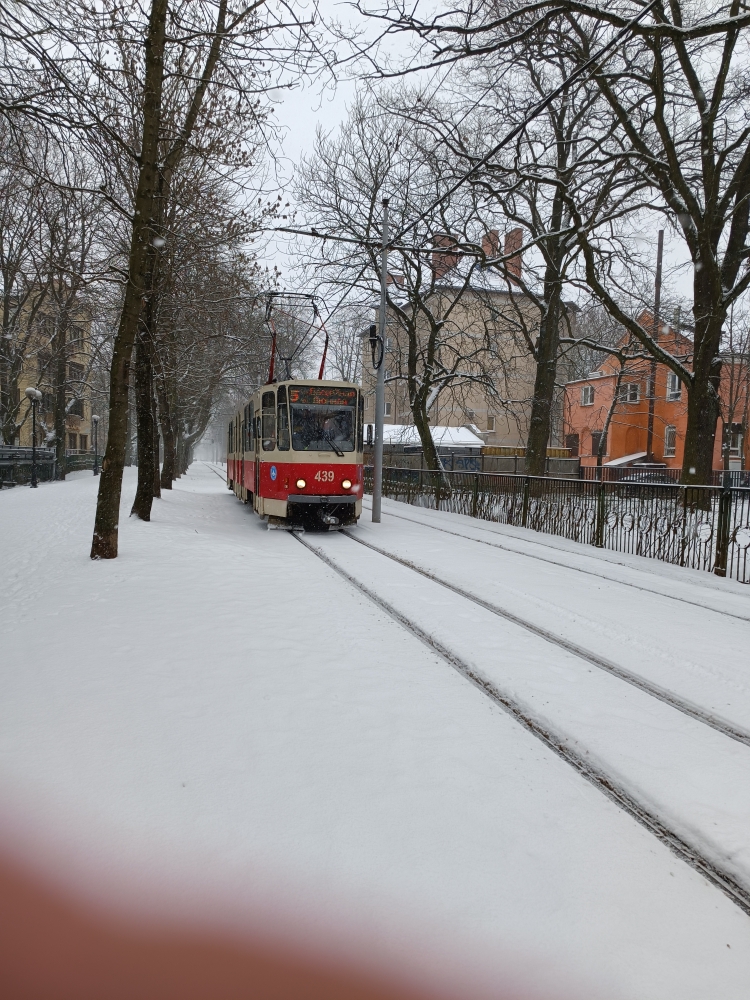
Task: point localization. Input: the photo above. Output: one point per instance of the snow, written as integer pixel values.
(218, 724)
(444, 437)
(627, 459)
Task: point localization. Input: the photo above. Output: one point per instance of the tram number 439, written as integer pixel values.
(324, 477)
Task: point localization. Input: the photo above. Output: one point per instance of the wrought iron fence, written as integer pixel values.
(701, 527)
(15, 465)
(654, 474)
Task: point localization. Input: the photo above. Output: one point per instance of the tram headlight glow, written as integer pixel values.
(301, 484)
(347, 484)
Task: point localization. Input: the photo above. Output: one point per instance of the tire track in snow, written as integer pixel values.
(558, 744)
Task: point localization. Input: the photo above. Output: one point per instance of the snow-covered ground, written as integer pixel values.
(217, 722)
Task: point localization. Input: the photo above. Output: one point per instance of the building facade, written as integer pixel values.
(59, 366)
(486, 342)
(649, 410)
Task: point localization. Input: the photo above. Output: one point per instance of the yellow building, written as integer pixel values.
(59, 366)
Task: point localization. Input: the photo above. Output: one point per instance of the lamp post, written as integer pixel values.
(377, 472)
(33, 395)
(95, 422)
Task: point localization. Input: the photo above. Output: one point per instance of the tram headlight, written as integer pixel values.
(347, 484)
(301, 484)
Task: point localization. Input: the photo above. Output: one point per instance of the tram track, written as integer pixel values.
(566, 566)
(559, 744)
(667, 697)
(688, 708)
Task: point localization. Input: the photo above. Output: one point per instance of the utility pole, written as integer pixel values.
(377, 479)
(652, 367)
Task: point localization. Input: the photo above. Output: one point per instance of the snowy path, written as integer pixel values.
(219, 708)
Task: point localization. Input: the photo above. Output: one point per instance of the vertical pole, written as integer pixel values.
(377, 478)
(525, 507)
(600, 512)
(95, 421)
(33, 443)
(723, 529)
(652, 366)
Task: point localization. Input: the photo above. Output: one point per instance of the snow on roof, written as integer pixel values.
(627, 459)
(444, 437)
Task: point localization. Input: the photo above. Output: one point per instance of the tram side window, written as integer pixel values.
(229, 444)
(361, 423)
(245, 431)
(268, 419)
(283, 419)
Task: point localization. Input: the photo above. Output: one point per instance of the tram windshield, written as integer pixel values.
(323, 418)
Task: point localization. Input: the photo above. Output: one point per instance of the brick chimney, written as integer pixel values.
(491, 244)
(511, 251)
(442, 260)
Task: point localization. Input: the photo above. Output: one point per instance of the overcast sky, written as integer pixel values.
(300, 111)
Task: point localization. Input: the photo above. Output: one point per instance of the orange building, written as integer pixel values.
(646, 386)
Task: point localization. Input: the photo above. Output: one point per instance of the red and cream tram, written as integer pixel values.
(295, 453)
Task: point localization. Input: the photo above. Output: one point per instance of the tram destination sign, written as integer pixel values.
(322, 395)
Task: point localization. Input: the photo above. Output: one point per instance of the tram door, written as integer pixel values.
(256, 441)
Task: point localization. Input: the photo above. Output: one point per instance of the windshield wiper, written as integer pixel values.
(333, 444)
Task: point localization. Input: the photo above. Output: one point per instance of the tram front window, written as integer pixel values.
(323, 418)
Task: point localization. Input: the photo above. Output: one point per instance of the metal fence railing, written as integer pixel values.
(15, 465)
(654, 474)
(701, 527)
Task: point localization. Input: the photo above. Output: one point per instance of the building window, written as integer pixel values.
(572, 443)
(470, 415)
(674, 387)
(75, 336)
(735, 441)
(670, 442)
(387, 374)
(73, 442)
(490, 423)
(83, 442)
(76, 408)
(587, 395)
(596, 437)
(630, 393)
(387, 409)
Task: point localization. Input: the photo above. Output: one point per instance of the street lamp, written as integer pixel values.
(95, 421)
(33, 395)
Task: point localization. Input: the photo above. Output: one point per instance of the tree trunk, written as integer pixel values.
(432, 459)
(703, 394)
(155, 422)
(104, 543)
(703, 412)
(144, 493)
(544, 386)
(168, 437)
(60, 380)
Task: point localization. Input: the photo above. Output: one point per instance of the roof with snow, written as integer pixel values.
(627, 459)
(444, 437)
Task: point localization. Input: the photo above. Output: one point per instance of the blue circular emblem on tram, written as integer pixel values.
(274, 473)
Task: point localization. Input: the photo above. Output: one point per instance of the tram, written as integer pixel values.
(295, 452)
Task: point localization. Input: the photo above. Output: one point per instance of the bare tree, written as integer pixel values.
(441, 339)
(673, 91)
